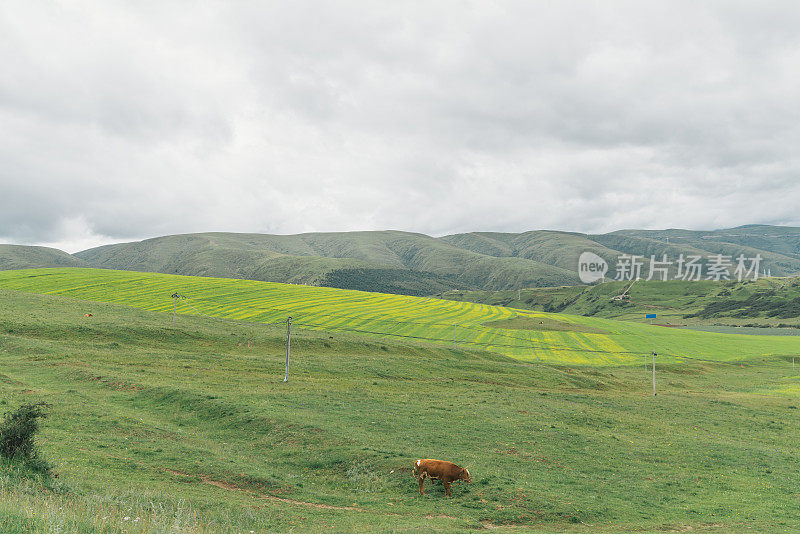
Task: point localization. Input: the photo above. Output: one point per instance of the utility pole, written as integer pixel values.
(654, 373)
(175, 297)
(288, 343)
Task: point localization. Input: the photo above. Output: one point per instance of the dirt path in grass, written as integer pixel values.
(205, 479)
(229, 486)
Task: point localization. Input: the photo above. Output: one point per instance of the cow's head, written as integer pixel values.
(465, 475)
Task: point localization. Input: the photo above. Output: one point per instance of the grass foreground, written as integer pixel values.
(190, 428)
(186, 428)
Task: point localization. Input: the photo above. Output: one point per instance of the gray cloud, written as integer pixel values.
(123, 120)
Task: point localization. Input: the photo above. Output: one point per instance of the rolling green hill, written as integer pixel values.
(764, 302)
(417, 264)
(156, 428)
(778, 239)
(560, 249)
(559, 338)
(780, 253)
(397, 262)
(25, 257)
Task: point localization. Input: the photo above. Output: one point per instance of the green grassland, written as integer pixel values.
(593, 341)
(784, 240)
(413, 263)
(766, 301)
(186, 428)
(779, 246)
(25, 257)
(389, 261)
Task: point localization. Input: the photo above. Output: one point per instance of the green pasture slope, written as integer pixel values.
(155, 428)
(584, 341)
(766, 301)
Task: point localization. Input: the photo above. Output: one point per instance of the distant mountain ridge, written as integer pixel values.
(387, 261)
(27, 257)
(412, 263)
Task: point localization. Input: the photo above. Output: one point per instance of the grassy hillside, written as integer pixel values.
(416, 264)
(779, 246)
(560, 249)
(25, 257)
(779, 239)
(775, 263)
(767, 301)
(560, 338)
(398, 262)
(155, 428)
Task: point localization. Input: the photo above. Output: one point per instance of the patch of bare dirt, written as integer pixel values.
(205, 479)
(220, 484)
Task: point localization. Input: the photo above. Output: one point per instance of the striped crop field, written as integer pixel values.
(522, 334)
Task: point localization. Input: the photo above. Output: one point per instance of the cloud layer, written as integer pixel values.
(129, 120)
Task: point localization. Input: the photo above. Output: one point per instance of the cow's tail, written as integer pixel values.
(414, 469)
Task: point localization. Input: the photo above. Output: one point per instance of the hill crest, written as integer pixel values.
(395, 261)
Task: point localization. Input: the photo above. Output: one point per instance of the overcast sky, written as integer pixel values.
(121, 121)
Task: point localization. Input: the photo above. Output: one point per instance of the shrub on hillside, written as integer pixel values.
(18, 432)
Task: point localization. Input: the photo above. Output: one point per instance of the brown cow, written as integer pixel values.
(447, 472)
